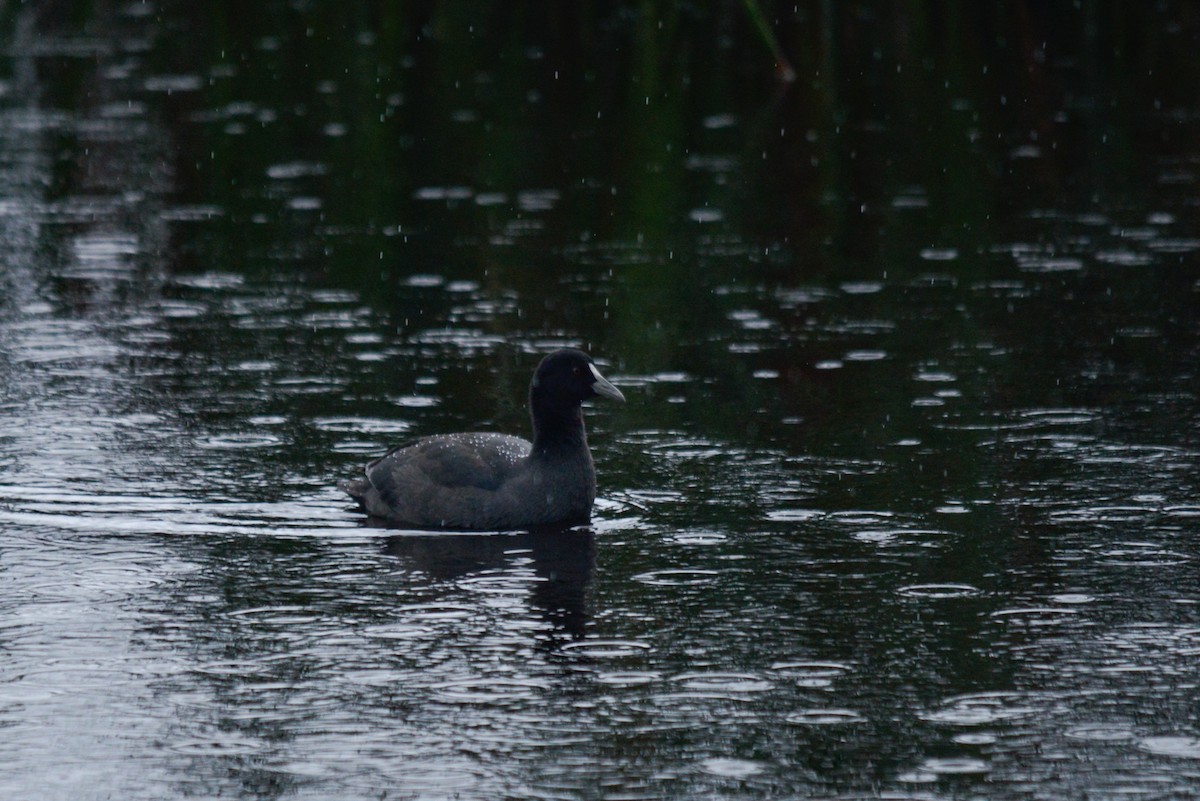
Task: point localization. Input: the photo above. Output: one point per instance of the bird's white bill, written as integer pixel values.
(603, 387)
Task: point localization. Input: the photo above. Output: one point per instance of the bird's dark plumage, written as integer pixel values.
(483, 481)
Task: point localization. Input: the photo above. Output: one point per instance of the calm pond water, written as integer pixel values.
(904, 502)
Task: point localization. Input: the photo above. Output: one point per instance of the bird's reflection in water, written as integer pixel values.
(564, 561)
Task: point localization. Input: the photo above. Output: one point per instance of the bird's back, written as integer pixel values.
(444, 481)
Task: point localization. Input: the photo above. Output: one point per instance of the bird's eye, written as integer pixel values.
(576, 371)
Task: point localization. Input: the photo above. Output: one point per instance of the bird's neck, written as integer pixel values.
(556, 430)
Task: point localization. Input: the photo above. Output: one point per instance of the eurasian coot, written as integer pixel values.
(496, 482)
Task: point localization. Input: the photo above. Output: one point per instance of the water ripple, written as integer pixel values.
(723, 683)
(939, 591)
(1101, 732)
(811, 675)
(982, 709)
(824, 716)
(628, 678)
(677, 577)
(607, 649)
(1171, 746)
(954, 766)
(732, 768)
(490, 691)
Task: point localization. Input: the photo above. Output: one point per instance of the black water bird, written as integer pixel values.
(495, 482)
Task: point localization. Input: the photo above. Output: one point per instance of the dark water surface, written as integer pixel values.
(904, 502)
